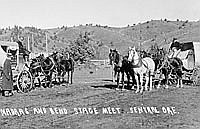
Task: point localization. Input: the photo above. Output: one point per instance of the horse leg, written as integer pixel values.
(146, 83)
(113, 73)
(123, 79)
(68, 77)
(167, 81)
(128, 79)
(178, 81)
(72, 77)
(118, 79)
(39, 81)
(160, 80)
(137, 81)
(63, 76)
(181, 79)
(181, 83)
(141, 83)
(151, 83)
(58, 77)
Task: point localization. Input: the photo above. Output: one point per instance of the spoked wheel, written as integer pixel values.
(24, 81)
(196, 76)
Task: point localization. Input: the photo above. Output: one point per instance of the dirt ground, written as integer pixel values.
(102, 107)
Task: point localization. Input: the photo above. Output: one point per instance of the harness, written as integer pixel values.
(169, 65)
(139, 64)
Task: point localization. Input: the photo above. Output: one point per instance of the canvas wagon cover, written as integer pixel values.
(6, 43)
(197, 52)
(3, 56)
(190, 53)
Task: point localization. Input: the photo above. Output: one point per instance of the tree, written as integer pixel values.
(83, 48)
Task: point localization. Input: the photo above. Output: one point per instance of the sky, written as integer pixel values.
(115, 13)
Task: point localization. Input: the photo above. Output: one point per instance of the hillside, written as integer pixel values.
(155, 31)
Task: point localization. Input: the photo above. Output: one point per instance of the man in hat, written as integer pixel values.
(23, 50)
(175, 48)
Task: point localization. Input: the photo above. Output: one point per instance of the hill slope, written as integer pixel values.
(145, 34)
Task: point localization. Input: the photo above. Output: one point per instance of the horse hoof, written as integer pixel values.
(123, 89)
(117, 89)
(166, 87)
(136, 92)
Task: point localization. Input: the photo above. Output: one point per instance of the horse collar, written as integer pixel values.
(138, 65)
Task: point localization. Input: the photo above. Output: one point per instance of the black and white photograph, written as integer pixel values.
(100, 64)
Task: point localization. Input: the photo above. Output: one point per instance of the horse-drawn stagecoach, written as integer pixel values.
(26, 73)
(190, 56)
(184, 67)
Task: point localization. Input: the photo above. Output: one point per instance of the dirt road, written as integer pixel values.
(92, 103)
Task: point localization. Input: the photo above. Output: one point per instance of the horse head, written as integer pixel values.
(114, 56)
(132, 54)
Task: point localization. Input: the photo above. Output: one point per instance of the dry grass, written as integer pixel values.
(94, 90)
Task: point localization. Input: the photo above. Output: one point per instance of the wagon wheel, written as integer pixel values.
(24, 81)
(196, 76)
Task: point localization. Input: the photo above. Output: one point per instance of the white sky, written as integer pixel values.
(118, 13)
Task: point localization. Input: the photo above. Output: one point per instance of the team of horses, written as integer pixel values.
(138, 66)
(53, 67)
(142, 67)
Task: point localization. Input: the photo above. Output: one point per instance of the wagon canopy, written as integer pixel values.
(190, 53)
(4, 47)
(2, 57)
(197, 52)
(6, 43)
(183, 46)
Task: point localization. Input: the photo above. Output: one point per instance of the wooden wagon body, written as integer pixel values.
(22, 78)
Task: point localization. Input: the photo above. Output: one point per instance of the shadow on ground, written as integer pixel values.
(112, 86)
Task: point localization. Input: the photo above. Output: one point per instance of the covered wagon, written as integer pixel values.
(190, 56)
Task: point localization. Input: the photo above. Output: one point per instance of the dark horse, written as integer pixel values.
(120, 65)
(41, 66)
(172, 69)
(64, 64)
(127, 68)
(114, 58)
(168, 69)
(35, 65)
(115, 62)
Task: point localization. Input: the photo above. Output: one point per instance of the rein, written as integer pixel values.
(169, 65)
(139, 64)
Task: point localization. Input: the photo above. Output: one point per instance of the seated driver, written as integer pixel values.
(175, 50)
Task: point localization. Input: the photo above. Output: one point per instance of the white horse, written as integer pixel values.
(141, 66)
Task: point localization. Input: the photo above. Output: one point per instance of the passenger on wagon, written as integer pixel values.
(175, 49)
